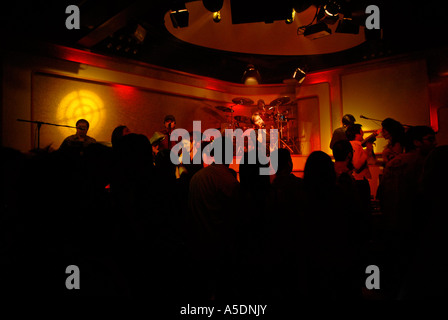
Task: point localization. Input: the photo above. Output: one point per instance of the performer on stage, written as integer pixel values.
(258, 126)
(80, 140)
(262, 136)
(257, 121)
(340, 133)
(170, 124)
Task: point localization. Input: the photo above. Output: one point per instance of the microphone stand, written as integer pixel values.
(39, 124)
(364, 117)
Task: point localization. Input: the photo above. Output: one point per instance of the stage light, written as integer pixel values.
(139, 34)
(329, 12)
(291, 20)
(179, 15)
(317, 31)
(299, 75)
(332, 8)
(217, 16)
(82, 104)
(251, 75)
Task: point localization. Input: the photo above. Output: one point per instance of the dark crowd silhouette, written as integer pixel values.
(136, 227)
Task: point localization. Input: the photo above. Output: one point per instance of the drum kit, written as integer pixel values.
(276, 115)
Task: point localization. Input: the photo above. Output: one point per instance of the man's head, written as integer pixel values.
(420, 138)
(354, 132)
(82, 126)
(257, 120)
(170, 122)
(348, 120)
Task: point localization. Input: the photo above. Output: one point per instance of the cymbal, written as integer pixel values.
(242, 119)
(222, 108)
(242, 101)
(280, 101)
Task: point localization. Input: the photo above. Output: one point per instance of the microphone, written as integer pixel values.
(362, 117)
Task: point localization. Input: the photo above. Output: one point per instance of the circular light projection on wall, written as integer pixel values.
(82, 104)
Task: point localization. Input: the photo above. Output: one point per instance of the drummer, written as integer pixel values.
(257, 121)
(259, 126)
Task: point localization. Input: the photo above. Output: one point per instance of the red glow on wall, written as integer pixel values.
(433, 117)
(213, 86)
(123, 89)
(82, 57)
(124, 92)
(318, 77)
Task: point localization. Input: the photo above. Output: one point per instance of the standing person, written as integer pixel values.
(170, 124)
(393, 131)
(361, 172)
(404, 207)
(118, 134)
(360, 154)
(326, 238)
(155, 140)
(211, 233)
(78, 141)
(340, 133)
(261, 135)
(343, 160)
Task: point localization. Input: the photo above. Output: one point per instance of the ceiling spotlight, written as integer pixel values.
(329, 12)
(299, 75)
(291, 20)
(179, 15)
(217, 16)
(139, 34)
(332, 8)
(251, 75)
(317, 31)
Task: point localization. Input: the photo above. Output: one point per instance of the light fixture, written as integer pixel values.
(179, 15)
(297, 77)
(317, 31)
(217, 16)
(139, 34)
(251, 75)
(329, 12)
(291, 20)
